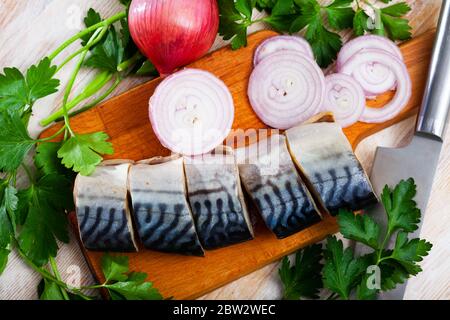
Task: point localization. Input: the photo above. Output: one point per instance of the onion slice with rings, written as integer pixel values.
(191, 112)
(282, 43)
(373, 77)
(286, 88)
(345, 98)
(398, 68)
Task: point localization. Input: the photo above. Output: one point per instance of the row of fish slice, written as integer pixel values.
(185, 205)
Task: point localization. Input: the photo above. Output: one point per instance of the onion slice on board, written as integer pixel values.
(374, 78)
(345, 98)
(191, 112)
(282, 43)
(398, 68)
(286, 89)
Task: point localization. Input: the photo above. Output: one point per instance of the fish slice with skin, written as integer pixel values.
(216, 198)
(273, 183)
(102, 208)
(323, 154)
(162, 214)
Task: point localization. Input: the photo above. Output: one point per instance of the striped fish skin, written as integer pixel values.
(325, 156)
(162, 215)
(217, 202)
(102, 210)
(278, 192)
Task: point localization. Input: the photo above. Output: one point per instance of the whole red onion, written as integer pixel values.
(173, 33)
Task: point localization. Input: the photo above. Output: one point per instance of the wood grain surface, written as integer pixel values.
(125, 119)
(31, 29)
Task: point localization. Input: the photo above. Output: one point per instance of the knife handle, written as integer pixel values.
(436, 101)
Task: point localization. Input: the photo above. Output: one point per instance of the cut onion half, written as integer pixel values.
(398, 68)
(345, 98)
(373, 77)
(191, 112)
(282, 43)
(286, 89)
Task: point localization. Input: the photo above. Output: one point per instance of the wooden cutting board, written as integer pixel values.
(125, 119)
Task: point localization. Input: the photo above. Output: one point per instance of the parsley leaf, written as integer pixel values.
(42, 209)
(304, 279)
(361, 228)
(18, 91)
(83, 152)
(401, 209)
(8, 204)
(325, 44)
(360, 22)
(49, 290)
(282, 15)
(123, 285)
(92, 18)
(342, 271)
(15, 142)
(47, 162)
(392, 274)
(396, 27)
(234, 21)
(115, 268)
(408, 252)
(340, 14)
(265, 4)
(108, 55)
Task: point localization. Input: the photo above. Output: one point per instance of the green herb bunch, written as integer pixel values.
(320, 23)
(33, 219)
(346, 275)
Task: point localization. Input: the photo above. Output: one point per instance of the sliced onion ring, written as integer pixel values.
(373, 77)
(286, 88)
(345, 98)
(281, 43)
(191, 112)
(404, 85)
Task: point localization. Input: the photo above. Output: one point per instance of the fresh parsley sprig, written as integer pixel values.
(345, 274)
(320, 23)
(34, 218)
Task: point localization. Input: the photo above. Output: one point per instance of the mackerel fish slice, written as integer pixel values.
(162, 214)
(325, 157)
(273, 183)
(216, 199)
(103, 211)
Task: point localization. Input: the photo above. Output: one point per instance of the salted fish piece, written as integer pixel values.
(162, 214)
(102, 209)
(217, 201)
(272, 181)
(324, 155)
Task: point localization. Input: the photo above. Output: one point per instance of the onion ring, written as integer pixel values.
(191, 112)
(398, 68)
(286, 88)
(374, 78)
(345, 98)
(282, 43)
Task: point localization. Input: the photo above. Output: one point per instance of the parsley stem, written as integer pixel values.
(83, 49)
(104, 23)
(58, 276)
(72, 82)
(98, 100)
(52, 136)
(128, 63)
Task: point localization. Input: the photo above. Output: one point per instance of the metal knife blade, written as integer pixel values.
(420, 158)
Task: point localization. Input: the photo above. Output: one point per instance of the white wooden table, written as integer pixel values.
(31, 29)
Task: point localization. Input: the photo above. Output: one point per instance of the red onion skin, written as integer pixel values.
(173, 33)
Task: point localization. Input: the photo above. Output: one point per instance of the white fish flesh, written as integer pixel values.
(216, 199)
(103, 211)
(272, 181)
(162, 214)
(324, 155)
